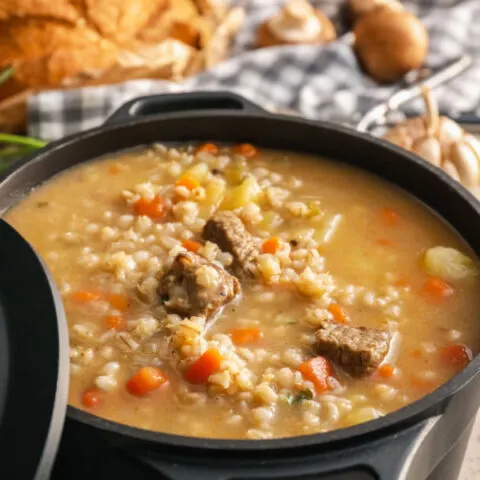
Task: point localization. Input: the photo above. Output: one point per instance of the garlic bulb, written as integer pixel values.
(442, 142)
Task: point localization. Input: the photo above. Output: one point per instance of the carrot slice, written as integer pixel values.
(317, 370)
(386, 370)
(116, 322)
(389, 217)
(187, 181)
(92, 398)
(146, 380)
(117, 301)
(437, 288)
(154, 208)
(201, 369)
(207, 147)
(84, 296)
(338, 313)
(271, 245)
(245, 149)
(456, 355)
(243, 336)
(191, 245)
(120, 302)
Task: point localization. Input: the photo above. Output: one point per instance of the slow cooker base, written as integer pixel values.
(83, 455)
(449, 467)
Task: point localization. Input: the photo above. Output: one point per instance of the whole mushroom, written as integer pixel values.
(296, 23)
(390, 42)
(442, 142)
(359, 8)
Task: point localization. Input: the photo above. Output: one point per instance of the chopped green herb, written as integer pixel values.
(19, 140)
(6, 74)
(13, 147)
(164, 298)
(300, 396)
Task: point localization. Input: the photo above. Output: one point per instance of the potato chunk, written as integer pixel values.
(448, 264)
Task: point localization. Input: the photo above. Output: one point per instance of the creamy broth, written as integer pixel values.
(336, 245)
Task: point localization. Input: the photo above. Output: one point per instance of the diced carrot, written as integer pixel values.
(116, 322)
(92, 398)
(384, 242)
(146, 380)
(456, 355)
(207, 147)
(201, 369)
(191, 245)
(117, 301)
(187, 181)
(154, 208)
(244, 336)
(389, 217)
(386, 370)
(245, 149)
(84, 296)
(338, 313)
(271, 245)
(437, 288)
(113, 169)
(317, 370)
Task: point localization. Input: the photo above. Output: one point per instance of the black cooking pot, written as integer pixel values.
(424, 440)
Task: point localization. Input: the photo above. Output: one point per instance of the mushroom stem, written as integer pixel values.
(432, 115)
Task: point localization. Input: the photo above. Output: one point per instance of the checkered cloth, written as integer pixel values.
(323, 83)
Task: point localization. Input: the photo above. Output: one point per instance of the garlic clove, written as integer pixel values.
(466, 163)
(476, 191)
(400, 137)
(449, 131)
(473, 143)
(450, 168)
(407, 132)
(429, 149)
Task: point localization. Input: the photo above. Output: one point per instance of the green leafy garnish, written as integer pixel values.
(164, 298)
(300, 396)
(14, 146)
(6, 74)
(19, 140)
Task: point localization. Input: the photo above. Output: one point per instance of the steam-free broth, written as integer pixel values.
(250, 332)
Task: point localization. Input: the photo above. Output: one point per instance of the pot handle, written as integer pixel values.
(179, 102)
(390, 458)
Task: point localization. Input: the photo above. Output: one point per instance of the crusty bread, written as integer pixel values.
(67, 43)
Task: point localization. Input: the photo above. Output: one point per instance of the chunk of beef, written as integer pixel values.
(229, 233)
(358, 350)
(195, 287)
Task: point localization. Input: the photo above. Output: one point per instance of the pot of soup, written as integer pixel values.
(254, 296)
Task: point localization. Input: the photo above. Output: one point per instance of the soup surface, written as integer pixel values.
(235, 293)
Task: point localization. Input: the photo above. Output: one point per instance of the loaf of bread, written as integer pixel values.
(71, 43)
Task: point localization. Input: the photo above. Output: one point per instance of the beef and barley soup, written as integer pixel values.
(232, 292)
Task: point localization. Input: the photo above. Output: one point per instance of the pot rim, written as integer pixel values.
(422, 409)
